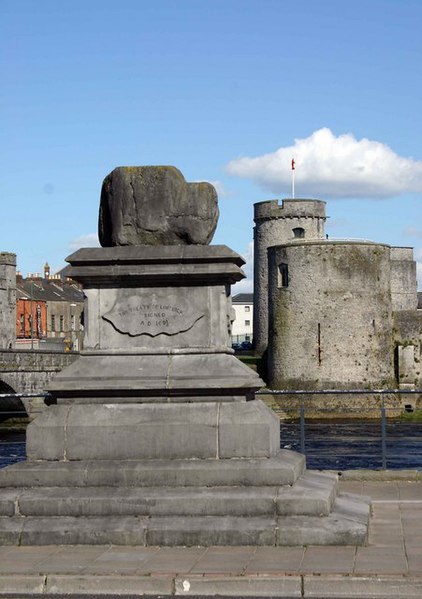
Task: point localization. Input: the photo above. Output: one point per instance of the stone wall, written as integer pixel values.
(7, 299)
(29, 371)
(403, 279)
(407, 337)
(330, 316)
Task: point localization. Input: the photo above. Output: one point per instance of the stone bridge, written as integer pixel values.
(26, 371)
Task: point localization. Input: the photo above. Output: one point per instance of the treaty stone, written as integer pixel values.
(155, 205)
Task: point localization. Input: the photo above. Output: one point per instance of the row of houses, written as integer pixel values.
(49, 312)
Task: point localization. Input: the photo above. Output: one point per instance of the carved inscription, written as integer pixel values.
(134, 316)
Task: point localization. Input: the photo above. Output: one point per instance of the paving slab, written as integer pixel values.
(173, 560)
(239, 586)
(224, 560)
(381, 560)
(333, 560)
(388, 490)
(351, 486)
(22, 583)
(121, 560)
(83, 558)
(414, 561)
(275, 559)
(24, 559)
(85, 583)
(410, 491)
(341, 586)
(386, 533)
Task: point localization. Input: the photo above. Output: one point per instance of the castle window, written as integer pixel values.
(283, 275)
(299, 232)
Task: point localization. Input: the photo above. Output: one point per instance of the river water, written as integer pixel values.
(329, 444)
(343, 445)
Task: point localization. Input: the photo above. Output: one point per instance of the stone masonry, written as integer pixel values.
(275, 224)
(7, 300)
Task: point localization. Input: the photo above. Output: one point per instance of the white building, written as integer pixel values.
(242, 326)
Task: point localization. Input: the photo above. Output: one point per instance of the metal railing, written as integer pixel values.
(303, 394)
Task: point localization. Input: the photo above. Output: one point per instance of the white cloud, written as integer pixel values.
(337, 167)
(84, 241)
(246, 285)
(413, 232)
(222, 192)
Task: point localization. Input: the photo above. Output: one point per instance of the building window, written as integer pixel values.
(247, 308)
(72, 322)
(53, 322)
(247, 323)
(299, 232)
(283, 275)
(61, 324)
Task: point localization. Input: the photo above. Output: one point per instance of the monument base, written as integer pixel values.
(196, 430)
(259, 501)
(156, 438)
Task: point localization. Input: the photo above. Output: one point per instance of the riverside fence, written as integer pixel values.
(377, 429)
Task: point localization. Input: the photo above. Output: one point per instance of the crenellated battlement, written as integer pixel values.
(289, 208)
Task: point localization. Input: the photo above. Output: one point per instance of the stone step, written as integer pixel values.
(282, 469)
(313, 494)
(346, 525)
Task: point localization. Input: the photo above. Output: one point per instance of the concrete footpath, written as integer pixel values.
(389, 566)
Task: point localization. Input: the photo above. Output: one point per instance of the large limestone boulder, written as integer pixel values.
(154, 205)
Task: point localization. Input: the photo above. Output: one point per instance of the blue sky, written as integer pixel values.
(227, 91)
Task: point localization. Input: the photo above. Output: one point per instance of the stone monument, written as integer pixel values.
(155, 436)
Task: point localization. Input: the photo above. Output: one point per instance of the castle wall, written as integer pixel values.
(407, 337)
(330, 315)
(7, 299)
(275, 224)
(403, 279)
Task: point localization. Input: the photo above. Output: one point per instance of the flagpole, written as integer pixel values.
(293, 178)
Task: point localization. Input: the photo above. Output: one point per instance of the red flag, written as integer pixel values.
(293, 164)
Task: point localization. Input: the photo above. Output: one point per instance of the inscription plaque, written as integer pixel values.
(135, 316)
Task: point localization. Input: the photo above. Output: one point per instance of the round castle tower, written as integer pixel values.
(330, 315)
(276, 224)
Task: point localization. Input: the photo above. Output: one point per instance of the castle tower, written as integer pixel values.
(330, 314)
(7, 300)
(276, 224)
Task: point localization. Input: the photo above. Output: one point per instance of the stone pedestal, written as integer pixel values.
(157, 378)
(156, 437)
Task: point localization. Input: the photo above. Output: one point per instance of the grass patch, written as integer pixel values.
(17, 425)
(415, 416)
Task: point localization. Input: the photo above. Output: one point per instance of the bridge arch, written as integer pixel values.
(10, 407)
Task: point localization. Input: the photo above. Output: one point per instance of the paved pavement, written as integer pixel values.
(389, 566)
